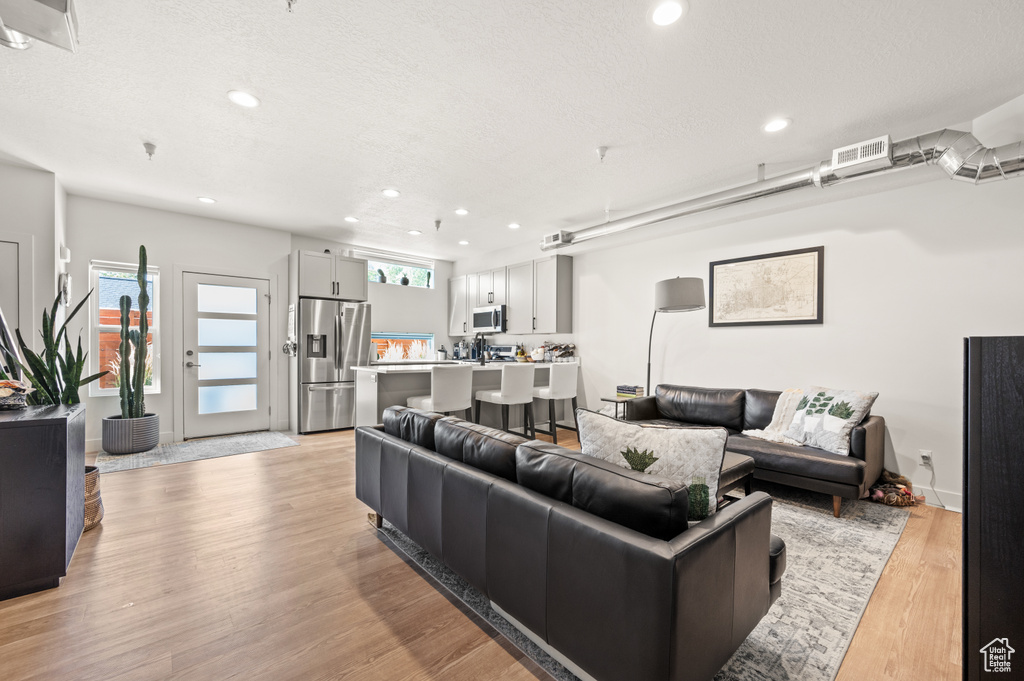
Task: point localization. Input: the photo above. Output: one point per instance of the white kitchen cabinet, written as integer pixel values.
(520, 298)
(326, 275)
(458, 306)
(552, 294)
(491, 287)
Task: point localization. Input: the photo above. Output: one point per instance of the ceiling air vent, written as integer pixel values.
(863, 156)
(557, 240)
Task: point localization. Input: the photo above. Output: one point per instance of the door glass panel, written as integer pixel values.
(229, 299)
(216, 399)
(227, 332)
(221, 365)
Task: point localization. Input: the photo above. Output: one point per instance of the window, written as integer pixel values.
(109, 282)
(394, 266)
(394, 347)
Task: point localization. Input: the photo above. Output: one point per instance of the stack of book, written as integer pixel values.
(629, 391)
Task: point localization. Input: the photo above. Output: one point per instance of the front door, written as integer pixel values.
(226, 341)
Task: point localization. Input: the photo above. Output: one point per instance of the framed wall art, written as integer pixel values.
(775, 288)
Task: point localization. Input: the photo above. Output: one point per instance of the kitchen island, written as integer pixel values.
(380, 386)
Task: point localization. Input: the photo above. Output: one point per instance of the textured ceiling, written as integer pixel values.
(493, 105)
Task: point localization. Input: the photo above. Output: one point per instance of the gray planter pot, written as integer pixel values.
(130, 436)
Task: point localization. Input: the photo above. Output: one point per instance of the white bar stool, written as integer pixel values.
(516, 388)
(451, 389)
(561, 386)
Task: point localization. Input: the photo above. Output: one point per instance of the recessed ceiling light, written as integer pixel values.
(391, 193)
(206, 199)
(461, 211)
(514, 225)
(668, 12)
(463, 243)
(243, 99)
(415, 232)
(351, 218)
(776, 125)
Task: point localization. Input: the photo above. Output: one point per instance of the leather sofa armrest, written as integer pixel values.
(867, 443)
(722, 585)
(642, 409)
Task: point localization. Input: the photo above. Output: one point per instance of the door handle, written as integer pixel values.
(463, 327)
(190, 365)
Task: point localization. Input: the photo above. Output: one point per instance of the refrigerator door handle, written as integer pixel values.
(329, 388)
(337, 344)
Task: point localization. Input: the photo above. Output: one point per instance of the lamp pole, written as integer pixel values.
(650, 343)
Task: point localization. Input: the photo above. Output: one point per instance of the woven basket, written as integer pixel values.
(93, 501)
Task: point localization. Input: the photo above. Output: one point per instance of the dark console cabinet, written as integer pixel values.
(42, 493)
(993, 520)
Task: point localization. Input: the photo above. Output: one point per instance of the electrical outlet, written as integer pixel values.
(926, 457)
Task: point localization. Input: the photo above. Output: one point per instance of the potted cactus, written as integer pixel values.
(133, 430)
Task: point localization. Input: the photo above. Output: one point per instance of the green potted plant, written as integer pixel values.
(55, 377)
(133, 430)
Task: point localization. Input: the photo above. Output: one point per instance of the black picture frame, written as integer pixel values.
(805, 269)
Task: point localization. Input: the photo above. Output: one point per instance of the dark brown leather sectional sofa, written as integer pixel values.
(596, 561)
(844, 477)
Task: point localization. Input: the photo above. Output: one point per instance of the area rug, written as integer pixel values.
(194, 450)
(833, 565)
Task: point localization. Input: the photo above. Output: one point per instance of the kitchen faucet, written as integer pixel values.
(478, 340)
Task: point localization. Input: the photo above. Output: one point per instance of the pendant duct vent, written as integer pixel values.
(869, 155)
(557, 240)
(51, 21)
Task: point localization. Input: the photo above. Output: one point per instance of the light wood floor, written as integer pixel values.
(262, 566)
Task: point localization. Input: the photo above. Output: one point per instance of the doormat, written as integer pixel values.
(833, 565)
(194, 450)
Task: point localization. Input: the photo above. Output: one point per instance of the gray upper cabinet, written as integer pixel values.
(552, 294)
(520, 298)
(490, 287)
(458, 306)
(537, 294)
(325, 275)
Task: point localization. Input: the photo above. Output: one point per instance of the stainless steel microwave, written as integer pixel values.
(490, 319)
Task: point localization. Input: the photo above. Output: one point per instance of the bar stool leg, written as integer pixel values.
(477, 411)
(552, 423)
(529, 421)
(576, 426)
(504, 417)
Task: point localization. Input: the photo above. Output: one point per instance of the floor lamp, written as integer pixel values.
(682, 294)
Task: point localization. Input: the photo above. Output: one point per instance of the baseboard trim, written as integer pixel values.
(540, 643)
(953, 501)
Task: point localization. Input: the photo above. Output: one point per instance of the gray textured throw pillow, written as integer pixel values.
(825, 417)
(691, 455)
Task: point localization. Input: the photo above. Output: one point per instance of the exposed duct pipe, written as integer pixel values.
(958, 153)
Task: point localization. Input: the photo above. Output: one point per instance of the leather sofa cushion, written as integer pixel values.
(808, 462)
(734, 467)
(758, 408)
(776, 559)
(488, 449)
(704, 406)
(412, 425)
(651, 505)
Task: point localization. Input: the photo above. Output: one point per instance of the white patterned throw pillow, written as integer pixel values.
(825, 417)
(691, 455)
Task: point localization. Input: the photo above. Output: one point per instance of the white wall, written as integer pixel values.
(104, 230)
(27, 196)
(908, 274)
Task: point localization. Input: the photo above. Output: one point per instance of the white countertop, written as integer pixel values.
(425, 368)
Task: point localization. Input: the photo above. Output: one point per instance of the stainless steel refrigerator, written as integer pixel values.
(333, 337)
